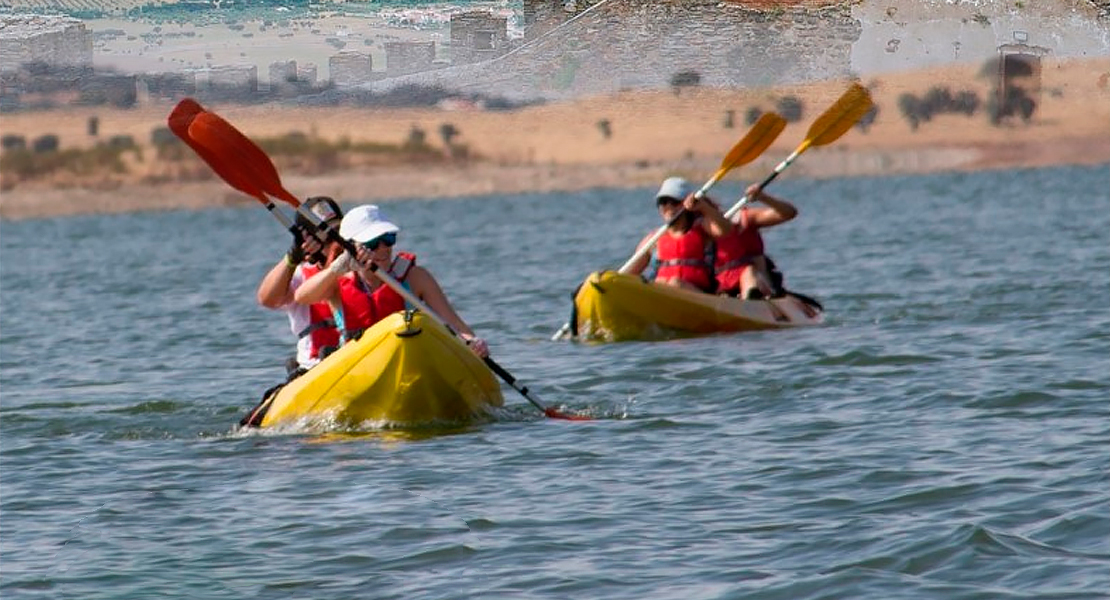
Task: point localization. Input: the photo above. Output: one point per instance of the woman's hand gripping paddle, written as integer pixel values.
(761, 136)
(241, 161)
(833, 123)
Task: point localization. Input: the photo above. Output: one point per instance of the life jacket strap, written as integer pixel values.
(684, 262)
(325, 324)
(738, 262)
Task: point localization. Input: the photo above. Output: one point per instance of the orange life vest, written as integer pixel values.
(735, 252)
(683, 257)
(361, 307)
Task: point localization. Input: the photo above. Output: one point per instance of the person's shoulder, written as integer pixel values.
(420, 272)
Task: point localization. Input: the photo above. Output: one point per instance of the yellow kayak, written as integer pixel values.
(399, 372)
(611, 306)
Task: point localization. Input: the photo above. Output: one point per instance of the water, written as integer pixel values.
(946, 435)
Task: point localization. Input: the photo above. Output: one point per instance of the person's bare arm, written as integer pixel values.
(641, 263)
(425, 286)
(324, 285)
(713, 220)
(774, 212)
(273, 291)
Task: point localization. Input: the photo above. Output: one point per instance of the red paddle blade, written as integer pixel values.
(554, 414)
(181, 120)
(236, 152)
(182, 116)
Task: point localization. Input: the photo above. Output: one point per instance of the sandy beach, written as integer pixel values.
(560, 147)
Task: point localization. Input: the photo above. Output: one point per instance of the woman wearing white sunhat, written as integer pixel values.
(683, 255)
(364, 298)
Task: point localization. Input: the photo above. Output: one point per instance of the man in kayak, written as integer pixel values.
(741, 267)
(683, 254)
(305, 258)
(365, 299)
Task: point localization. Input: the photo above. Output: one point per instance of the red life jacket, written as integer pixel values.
(321, 326)
(735, 252)
(361, 308)
(684, 257)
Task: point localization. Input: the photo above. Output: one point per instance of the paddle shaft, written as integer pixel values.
(259, 178)
(786, 162)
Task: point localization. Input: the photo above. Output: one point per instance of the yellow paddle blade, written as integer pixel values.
(840, 117)
(763, 133)
(761, 136)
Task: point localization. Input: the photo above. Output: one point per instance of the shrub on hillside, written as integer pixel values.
(790, 107)
(937, 100)
(447, 133)
(685, 79)
(868, 118)
(45, 143)
(162, 136)
(13, 142)
(1018, 103)
(753, 115)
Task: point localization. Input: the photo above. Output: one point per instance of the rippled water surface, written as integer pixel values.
(945, 435)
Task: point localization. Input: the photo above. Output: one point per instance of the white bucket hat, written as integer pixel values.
(674, 187)
(364, 223)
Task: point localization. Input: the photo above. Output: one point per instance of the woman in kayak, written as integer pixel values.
(364, 298)
(742, 269)
(683, 254)
(304, 259)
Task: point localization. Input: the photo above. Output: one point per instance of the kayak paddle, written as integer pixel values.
(240, 161)
(833, 123)
(182, 119)
(762, 134)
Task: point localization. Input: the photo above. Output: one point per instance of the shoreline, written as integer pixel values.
(406, 183)
(559, 147)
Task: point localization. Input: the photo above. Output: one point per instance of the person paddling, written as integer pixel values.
(276, 290)
(349, 282)
(741, 265)
(682, 254)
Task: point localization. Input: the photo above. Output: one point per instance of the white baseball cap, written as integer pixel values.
(364, 223)
(674, 187)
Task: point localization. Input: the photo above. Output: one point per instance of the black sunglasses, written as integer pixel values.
(667, 200)
(386, 238)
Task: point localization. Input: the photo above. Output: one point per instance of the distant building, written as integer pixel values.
(477, 36)
(243, 76)
(541, 16)
(170, 85)
(350, 69)
(306, 73)
(117, 90)
(238, 81)
(402, 58)
(53, 40)
(282, 72)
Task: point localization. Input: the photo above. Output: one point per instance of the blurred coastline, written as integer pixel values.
(934, 99)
